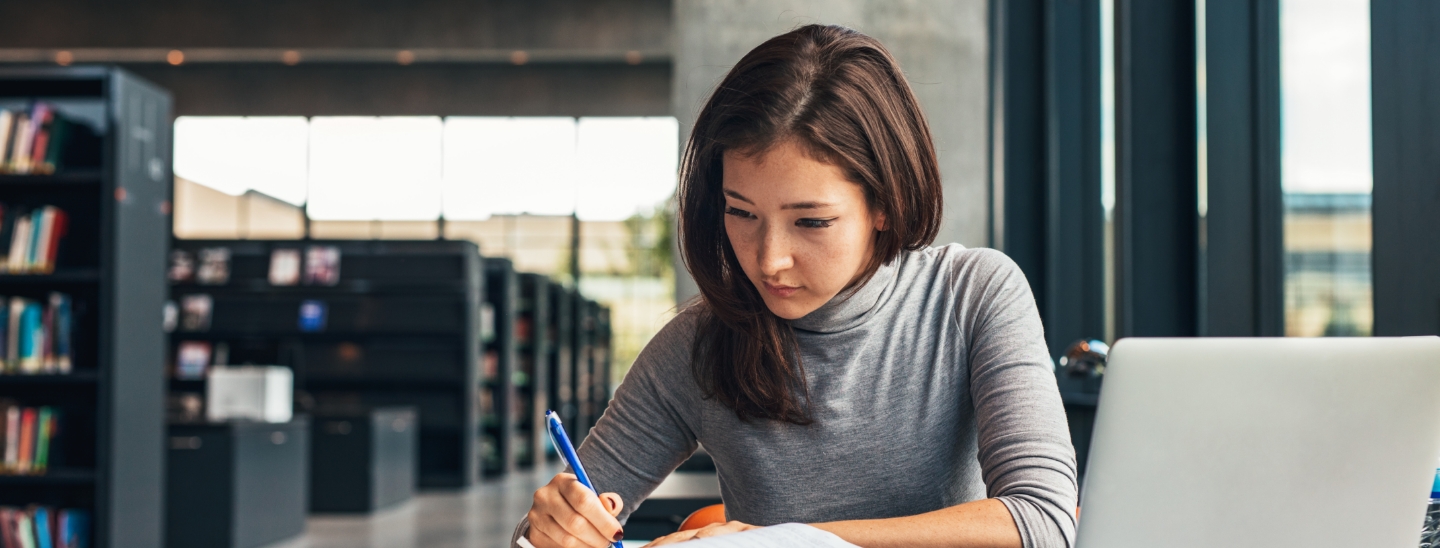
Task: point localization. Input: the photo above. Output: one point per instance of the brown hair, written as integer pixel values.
(840, 95)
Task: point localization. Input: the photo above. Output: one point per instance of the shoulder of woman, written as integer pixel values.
(973, 267)
(669, 351)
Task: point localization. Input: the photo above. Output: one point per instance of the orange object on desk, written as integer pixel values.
(715, 513)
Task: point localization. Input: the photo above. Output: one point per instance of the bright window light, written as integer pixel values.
(413, 168)
(1325, 95)
(234, 154)
(626, 165)
(375, 168)
(509, 166)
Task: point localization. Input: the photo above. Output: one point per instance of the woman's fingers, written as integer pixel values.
(588, 508)
(542, 537)
(578, 528)
(672, 538)
(717, 529)
(712, 530)
(613, 503)
(559, 515)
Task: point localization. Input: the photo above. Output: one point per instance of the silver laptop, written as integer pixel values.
(1264, 443)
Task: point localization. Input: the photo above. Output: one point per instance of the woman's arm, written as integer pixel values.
(1026, 457)
(976, 524)
(646, 432)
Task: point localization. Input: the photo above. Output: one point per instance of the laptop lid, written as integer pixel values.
(1263, 442)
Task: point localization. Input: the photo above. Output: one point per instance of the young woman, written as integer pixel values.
(841, 373)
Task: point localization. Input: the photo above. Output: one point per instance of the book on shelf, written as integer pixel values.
(313, 314)
(182, 266)
(44, 527)
(322, 265)
(214, 266)
(35, 336)
(41, 140)
(29, 435)
(192, 360)
(30, 238)
(195, 312)
(284, 267)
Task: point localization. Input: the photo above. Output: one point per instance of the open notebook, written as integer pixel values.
(788, 535)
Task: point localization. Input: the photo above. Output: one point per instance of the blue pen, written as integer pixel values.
(567, 452)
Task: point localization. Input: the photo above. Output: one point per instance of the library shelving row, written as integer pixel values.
(465, 339)
(370, 324)
(98, 143)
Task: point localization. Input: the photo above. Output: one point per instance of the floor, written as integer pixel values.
(481, 517)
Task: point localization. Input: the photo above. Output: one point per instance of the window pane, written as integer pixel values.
(1325, 97)
(627, 165)
(509, 165)
(234, 154)
(375, 168)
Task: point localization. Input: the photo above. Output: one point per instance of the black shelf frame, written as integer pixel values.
(365, 365)
(591, 364)
(533, 353)
(502, 295)
(561, 359)
(112, 263)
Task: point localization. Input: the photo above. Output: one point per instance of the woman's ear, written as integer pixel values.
(881, 223)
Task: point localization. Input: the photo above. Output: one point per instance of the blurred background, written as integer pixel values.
(1187, 168)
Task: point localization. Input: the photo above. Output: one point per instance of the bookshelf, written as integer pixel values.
(601, 356)
(532, 378)
(561, 358)
(114, 186)
(402, 326)
(592, 350)
(498, 394)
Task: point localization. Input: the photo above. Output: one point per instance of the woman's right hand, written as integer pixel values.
(566, 514)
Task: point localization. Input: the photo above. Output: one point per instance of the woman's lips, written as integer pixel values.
(781, 291)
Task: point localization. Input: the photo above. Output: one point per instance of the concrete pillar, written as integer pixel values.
(942, 45)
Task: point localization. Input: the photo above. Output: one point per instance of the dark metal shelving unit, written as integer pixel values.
(110, 447)
(402, 328)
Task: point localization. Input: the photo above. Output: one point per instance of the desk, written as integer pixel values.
(675, 498)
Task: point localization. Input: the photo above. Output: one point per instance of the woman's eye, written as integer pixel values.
(813, 223)
(738, 213)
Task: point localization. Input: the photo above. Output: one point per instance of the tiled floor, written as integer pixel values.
(481, 517)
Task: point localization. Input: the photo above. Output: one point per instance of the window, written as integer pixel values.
(1326, 166)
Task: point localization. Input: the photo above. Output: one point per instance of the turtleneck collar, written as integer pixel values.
(851, 307)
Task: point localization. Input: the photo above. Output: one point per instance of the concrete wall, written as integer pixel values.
(941, 44)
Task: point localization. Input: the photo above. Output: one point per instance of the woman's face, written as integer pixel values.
(801, 230)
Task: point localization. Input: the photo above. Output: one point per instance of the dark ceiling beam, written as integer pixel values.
(294, 56)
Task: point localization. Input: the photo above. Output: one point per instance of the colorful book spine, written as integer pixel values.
(31, 338)
(27, 440)
(34, 142)
(44, 527)
(46, 425)
(12, 439)
(63, 330)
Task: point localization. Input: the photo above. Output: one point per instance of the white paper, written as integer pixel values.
(785, 535)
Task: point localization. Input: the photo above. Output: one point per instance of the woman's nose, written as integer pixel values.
(775, 255)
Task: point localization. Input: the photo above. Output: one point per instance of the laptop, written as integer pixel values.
(1263, 442)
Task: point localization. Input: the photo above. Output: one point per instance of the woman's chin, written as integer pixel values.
(790, 308)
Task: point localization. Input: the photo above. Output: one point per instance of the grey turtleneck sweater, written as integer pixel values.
(930, 385)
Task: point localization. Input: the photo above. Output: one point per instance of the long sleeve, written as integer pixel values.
(648, 429)
(1025, 450)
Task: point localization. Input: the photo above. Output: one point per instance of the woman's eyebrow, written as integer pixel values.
(737, 196)
(796, 205)
(805, 205)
